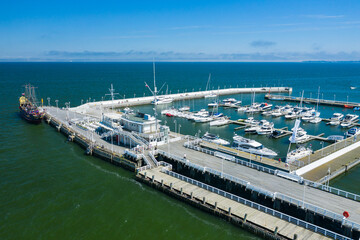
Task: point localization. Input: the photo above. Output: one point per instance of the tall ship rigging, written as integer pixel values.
(28, 106)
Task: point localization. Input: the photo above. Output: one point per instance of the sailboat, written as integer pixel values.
(158, 99)
(211, 94)
(297, 135)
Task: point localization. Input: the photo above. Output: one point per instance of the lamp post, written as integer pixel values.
(48, 101)
(179, 128)
(57, 106)
(322, 147)
(303, 206)
(175, 125)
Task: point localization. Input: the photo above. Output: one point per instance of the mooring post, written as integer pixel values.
(162, 182)
(171, 186)
(191, 195)
(181, 191)
(215, 205)
(276, 231)
(153, 178)
(145, 175)
(229, 210)
(245, 216)
(295, 236)
(203, 200)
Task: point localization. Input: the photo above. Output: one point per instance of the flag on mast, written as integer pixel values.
(293, 136)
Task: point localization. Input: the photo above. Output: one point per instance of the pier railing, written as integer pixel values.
(290, 176)
(267, 193)
(317, 209)
(333, 190)
(236, 160)
(259, 207)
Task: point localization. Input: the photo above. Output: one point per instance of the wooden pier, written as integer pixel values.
(342, 104)
(265, 224)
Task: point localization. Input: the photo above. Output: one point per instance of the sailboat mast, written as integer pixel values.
(317, 105)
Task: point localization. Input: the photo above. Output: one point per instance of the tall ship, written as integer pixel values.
(28, 106)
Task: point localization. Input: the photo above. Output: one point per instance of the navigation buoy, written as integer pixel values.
(346, 214)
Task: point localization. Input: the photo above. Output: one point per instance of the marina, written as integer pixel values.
(132, 147)
(180, 120)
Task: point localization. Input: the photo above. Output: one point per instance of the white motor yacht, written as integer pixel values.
(254, 126)
(291, 115)
(265, 106)
(251, 146)
(301, 136)
(241, 109)
(297, 154)
(336, 119)
(265, 129)
(211, 95)
(219, 122)
(184, 109)
(352, 132)
(213, 104)
(316, 120)
(337, 116)
(162, 100)
(349, 120)
(209, 137)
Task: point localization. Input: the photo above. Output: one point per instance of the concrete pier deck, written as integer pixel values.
(272, 183)
(314, 101)
(222, 204)
(119, 103)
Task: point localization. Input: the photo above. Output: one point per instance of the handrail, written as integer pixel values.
(320, 186)
(259, 207)
(236, 160)
(265, 192)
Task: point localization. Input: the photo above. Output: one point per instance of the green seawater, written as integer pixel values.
(49, 189)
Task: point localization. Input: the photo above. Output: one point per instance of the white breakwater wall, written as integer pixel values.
(326, 159)
(118, 103)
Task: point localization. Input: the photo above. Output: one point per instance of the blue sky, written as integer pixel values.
(180, 30)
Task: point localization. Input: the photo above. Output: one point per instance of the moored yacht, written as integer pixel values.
(335, 119)
(209, 137)
(219, 122)
(184, 109)
(162, 100)
(349, 120)
(298, 153)
(213, 104)
(266, 129)
(251, 146)
(353, 131)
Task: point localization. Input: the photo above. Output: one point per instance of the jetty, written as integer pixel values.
(343, 104)
(265, 196)
(122, 103)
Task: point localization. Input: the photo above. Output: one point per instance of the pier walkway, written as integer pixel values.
(268, 182)
(233, 206)
(331, 160)
(313, 101)
(87, 107)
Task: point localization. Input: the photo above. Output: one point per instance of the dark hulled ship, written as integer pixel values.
(28, 106)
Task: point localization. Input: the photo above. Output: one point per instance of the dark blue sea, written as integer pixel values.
(50, 190)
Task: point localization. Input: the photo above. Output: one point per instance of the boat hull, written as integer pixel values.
(35, 119)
